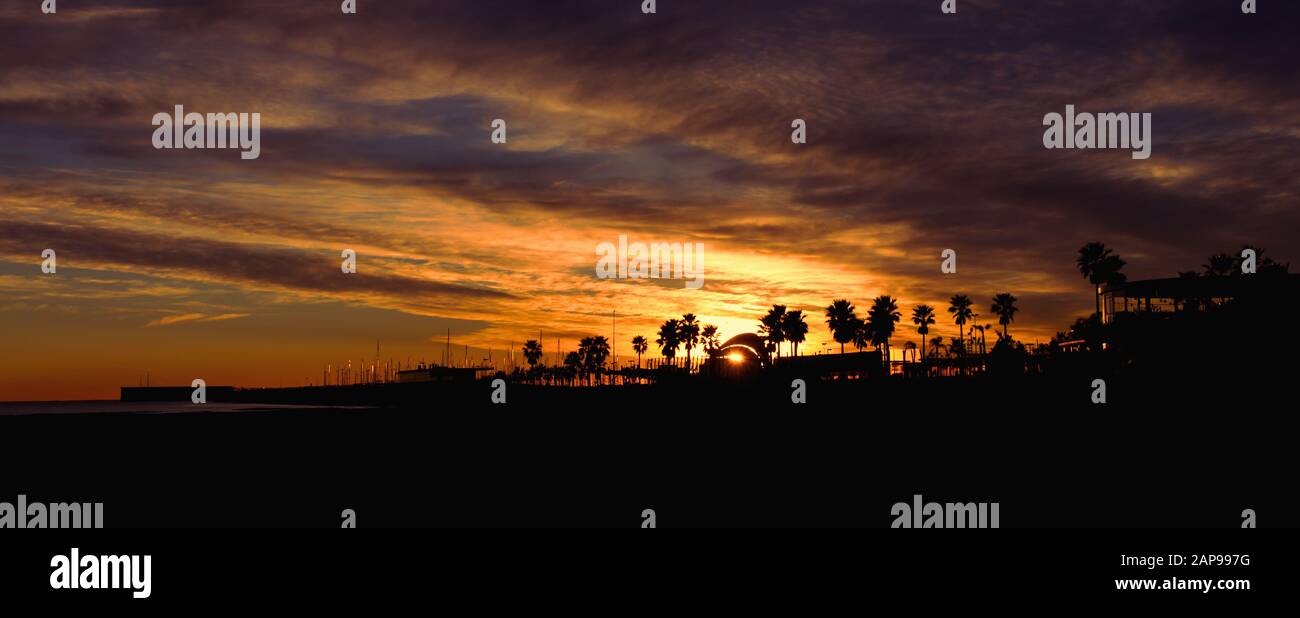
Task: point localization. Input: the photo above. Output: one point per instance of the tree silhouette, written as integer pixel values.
(770, 326)
(573, 362)
(584, 358)
(669, 339)
(532, 352)
(1264, 264)
(1221, 265)
(595, 352)
(862, 335)
(1004, 306)
(1100, 266)
(842, 321)
(881, 319)
(709, 336)
(688, 335)
(923, 317)
(956, 347)
(794, 329)
(960, 308)
(936, 345)
(639, 345)
(980, 328)
(1226, 265)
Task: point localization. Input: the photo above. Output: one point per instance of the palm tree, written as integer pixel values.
(584, 357)
(980, 328)
(842, 321)
(923, 317)
(1100, 266)
(771, 326)
(1004, 305)
(959, 306)
(689, 335)
(909, 346)
(709, 336)
(669, 339)
(956, 347)
(936, 344)
(1264, 264)
(573, 361)
(639, 345)
(596, 352)
(1221, 265)
(881, 317)
(794, 329)
(862, 335)
(532, 352)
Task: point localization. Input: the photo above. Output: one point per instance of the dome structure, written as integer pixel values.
(746, 346)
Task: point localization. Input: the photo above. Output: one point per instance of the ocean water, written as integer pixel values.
(145, 407)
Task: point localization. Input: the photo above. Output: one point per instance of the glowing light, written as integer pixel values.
(736, 357)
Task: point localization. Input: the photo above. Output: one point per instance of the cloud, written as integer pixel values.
(194, 317)
(175, 319)
(225, 261)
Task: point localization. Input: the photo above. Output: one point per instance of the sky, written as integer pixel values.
(924, 133)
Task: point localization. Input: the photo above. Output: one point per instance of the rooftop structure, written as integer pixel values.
(1191, 294)
(443, 374)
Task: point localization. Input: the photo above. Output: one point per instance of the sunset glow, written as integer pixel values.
(174, 264)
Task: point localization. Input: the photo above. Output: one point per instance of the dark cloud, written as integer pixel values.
(225, 261)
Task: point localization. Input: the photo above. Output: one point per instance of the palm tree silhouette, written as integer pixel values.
(532, 352)
(862, 335)
(1100, 266)
(771, 327)
(584, 358)
(936, 344)
(881, 319)
(956, 347)
(1229, 265)
(842, 321)
(573, 361)
(794, 329)
(1004, 305)
(639, 345)
(597, 352)
(923, 317)
(709, 336)
(1221, 265)
(669, 339)
(1264, 264)
(689, 335)
(960, 308)
(980, 328)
